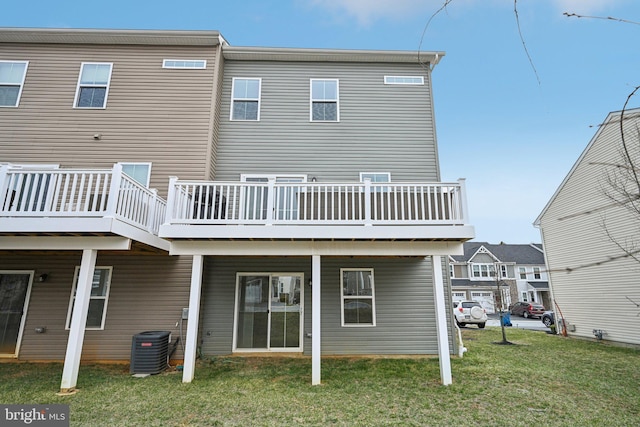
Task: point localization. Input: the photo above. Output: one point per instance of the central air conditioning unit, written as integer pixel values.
(150, 352)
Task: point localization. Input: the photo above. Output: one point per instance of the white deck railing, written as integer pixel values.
(86, 193)
(274, 203)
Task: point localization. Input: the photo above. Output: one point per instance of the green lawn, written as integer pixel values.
(544, 380)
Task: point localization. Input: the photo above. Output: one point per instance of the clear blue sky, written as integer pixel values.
(512, 137)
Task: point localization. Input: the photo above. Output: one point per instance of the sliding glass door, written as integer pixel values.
(268, 312)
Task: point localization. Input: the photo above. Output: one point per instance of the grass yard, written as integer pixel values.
(543, 380)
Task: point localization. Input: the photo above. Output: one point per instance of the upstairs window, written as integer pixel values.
(522, 272)
(93, 85)
(12, 74)
(185, 64)
(483, 270)
(504, 273)
(140, 172)
(245, 99)
(376, 177)
(324, 100)
(536, 273)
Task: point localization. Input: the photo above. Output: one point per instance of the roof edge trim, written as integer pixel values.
(111, 36)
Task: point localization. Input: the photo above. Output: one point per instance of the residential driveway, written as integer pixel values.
(518, 322)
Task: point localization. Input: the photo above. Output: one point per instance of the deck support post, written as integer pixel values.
(315, 320)
(441, 321)
(78, 321)
(191, 345)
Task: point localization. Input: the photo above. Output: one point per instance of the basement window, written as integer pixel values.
(357, 297)
(98, 299)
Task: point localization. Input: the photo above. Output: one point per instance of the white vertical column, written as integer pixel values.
(315, 320)
(441, 321)
(194, 314)
(78, 321)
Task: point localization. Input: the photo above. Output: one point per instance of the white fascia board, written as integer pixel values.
(309, 248)
(56, 225)
(60, 243)
(139, 235)
(341, 232)
(81, 225)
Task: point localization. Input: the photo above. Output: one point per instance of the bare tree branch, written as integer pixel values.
(426, 26)
(608, 18)
(524, 45)
(624, 143)
(631, 252)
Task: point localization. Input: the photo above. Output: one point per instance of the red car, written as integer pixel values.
(527, 309)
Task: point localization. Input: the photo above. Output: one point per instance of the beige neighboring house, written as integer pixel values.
(91, 123)
(586, 236)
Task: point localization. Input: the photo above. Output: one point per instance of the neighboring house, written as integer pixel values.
(587, 236)
(305, 212)
(522, 275)
(78, 237)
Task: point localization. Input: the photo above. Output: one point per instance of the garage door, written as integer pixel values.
(486, 300)
(459, 296)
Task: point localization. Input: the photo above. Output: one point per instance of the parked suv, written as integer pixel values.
(469, 312)
(527, 309)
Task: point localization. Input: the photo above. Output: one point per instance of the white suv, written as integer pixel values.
(469, 312)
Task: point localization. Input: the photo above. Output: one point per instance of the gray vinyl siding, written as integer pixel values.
(404, 304)
(147, 293)
(594, 296)
(382, 128)
(217, 106)
(483, 259)
(153, 114)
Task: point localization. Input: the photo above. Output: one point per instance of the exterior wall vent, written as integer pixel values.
(150, 352)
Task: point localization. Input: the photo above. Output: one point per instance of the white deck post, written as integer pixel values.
(192, 325)
(463, 200)
(271, 196)
(441, 321)
(151, 214)
(114, 190)
(78, 321)
(315, 320)
(4, 172)
(367, 201)
(171, 200)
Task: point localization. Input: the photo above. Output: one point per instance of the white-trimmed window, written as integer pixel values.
(185, 64)
(98, 300)
(255, 198)
(482, 270)
(12, 74)
(93, 85)
(452, 272)
(404, 80)
(325, 100)
(357, 297)
(140, 172)
(522, 272)
(376, 177)
(536, 273)
(504, 273)
(245, 99)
